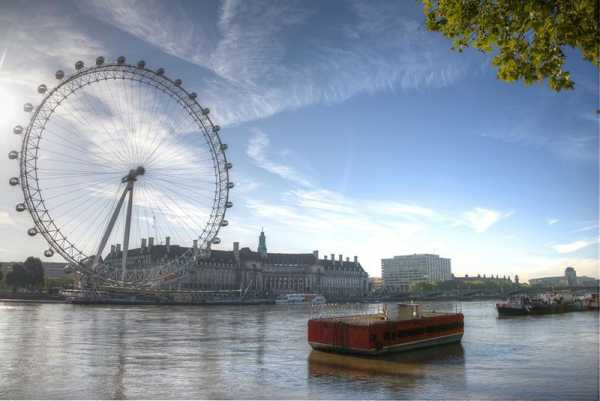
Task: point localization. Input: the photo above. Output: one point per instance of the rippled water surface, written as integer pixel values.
(260, 352)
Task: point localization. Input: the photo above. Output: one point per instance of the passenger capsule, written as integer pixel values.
(228, 166)
(216, 240)
(60, 74)
(68, 269)
(99, 60)
(48, 253)
(13, 181)
(228, 204)
(178, 82)
(224, 146)
(141, 64)
(193, 95)
(32, 231)
(79, 65)
(42, 89)
(27, 107)
(230, 185)
(13, 154)
(216, 129)
(121, 60)
(160, 71)
(205, 111)
(224, 223)
(18, 130)
(20, 207)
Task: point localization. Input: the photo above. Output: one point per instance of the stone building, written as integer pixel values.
(259, 272)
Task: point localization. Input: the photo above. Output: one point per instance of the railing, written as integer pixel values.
(358, 311)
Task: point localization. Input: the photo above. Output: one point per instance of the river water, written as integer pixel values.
(65, 351)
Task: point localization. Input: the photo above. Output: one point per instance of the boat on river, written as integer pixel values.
(400, 327)
(592, 302)
(292, 299)
(546, 304)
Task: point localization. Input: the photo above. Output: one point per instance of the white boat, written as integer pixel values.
(291, 299)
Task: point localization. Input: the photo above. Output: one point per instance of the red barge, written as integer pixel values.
(400, 327)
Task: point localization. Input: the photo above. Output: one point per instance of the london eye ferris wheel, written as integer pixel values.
(116, 154)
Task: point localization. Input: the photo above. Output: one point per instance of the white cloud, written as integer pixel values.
(572, 246)
(249, 50)
(257, 151)
(551, 222)
(481, 219)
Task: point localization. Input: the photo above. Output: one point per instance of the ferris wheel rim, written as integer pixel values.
(30, 186)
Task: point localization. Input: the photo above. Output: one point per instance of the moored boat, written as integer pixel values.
(592, 302)
(291, 299)
(544, 305)
(399, 328)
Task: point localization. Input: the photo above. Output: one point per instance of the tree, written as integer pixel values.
(1, 274)
(527, 37)
(34, 269)
(17, 277)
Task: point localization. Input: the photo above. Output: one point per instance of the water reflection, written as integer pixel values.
(260, 352)
(406, 368)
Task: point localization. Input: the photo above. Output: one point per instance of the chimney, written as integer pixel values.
(236, 250)
(168, 244)
(347, 258)
(150, 242)
(195, 246)
(143, 244)
(325, 257)
(341, 258)
(333, 257)
(112, 249)
(356, 259)
(118, 247)
(316, 254)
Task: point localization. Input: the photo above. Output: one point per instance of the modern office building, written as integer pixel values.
(400, 272)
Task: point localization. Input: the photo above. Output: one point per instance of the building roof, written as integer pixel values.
(245, 254)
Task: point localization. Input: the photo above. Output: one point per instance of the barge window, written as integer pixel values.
(372, 337)
(386, 336)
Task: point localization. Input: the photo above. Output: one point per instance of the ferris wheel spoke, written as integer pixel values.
(65, 157)
(156, 108)
(158, 127)
(83, 150)
(75, 113)
(176, 212)
(119, 114)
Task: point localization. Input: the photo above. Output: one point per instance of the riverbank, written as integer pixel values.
(31, 297)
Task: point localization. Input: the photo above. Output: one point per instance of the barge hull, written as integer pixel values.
(431, 342)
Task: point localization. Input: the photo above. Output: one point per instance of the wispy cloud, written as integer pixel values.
(573, 246)
(248, 50)
(566, 145)
(257, 150)
(587, 226)
(551, 222)
(481, 219)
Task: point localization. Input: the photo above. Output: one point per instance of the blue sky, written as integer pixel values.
(352, 129)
